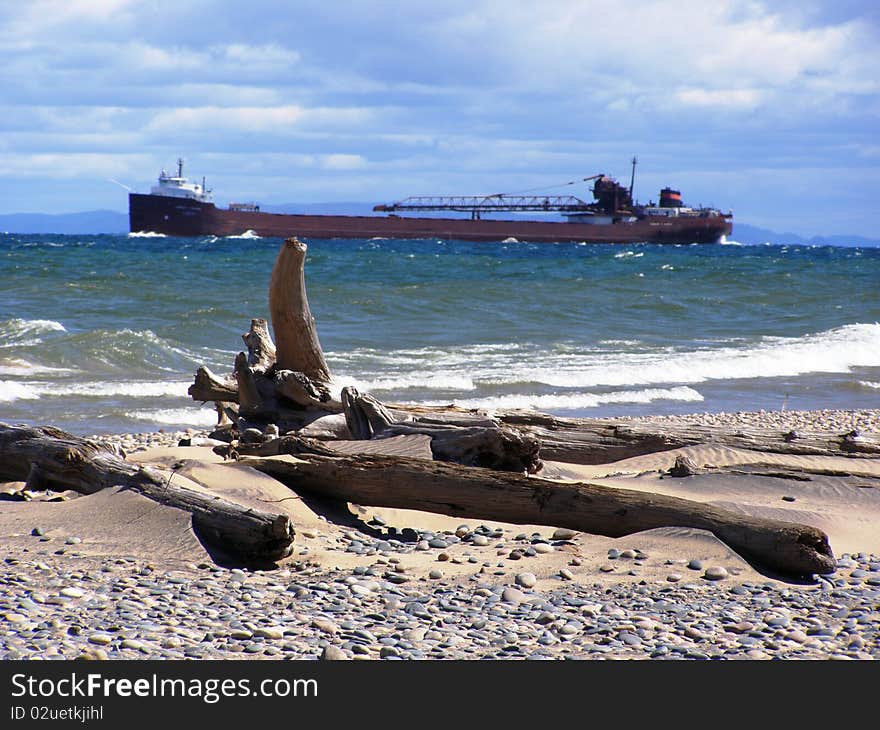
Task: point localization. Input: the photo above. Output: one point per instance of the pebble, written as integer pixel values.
(526, 580)
(66, 606)
(716, 572)
(333, 653)
(512, 595)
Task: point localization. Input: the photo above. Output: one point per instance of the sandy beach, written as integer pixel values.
(115, 575)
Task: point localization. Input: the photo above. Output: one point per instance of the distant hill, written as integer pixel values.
(752, 235)
(108, 221)
(90, 222)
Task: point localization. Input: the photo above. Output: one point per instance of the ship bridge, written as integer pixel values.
(179, 187)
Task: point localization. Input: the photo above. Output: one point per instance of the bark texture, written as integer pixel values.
(469, 492)
(48, 458)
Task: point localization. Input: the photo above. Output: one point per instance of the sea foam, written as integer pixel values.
(583, 366)
(576, 401)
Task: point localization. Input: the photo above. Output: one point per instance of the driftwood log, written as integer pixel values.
(386, 481)
(488, 444)
(596, 441)
(48, 458)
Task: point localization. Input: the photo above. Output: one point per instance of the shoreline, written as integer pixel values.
(864, 420)
(115, 576)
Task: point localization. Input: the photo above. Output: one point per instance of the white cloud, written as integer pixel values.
(724, 98)
(281, 120)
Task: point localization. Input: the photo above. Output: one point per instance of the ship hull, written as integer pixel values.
(184, 217)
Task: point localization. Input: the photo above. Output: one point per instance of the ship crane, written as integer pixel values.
(496, 203)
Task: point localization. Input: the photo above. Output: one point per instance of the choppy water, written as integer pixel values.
(104, 333)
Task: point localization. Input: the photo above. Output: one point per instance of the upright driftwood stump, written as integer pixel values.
(296, 338)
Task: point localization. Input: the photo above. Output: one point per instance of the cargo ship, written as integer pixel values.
(177, 207)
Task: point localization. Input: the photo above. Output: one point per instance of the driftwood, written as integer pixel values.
(490, 444)
(386, 481)
(296, 339)
(595, 441)
(285, 385)
(48, 458)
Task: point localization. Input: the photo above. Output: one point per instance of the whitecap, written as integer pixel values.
(176, 416)
(576, 401)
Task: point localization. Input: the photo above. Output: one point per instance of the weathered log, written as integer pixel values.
(300, 388)
(261, 349)
(595, 441)
(58, 460)
(469, 492)
(250, 400)
(296, 339)
(490, 445)
(209, 387)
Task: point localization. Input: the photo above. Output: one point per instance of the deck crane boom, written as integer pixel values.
(495, 203)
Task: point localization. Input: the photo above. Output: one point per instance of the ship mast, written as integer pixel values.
(632, 179)
(179, 167)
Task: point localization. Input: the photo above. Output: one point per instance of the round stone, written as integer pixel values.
(526, 580)
(563, 533)
(270, 632)
(542, 547)
(512, 595)
(100, 639)
(333, 653)
(673, 577)
(695, 564)
(716, 572)
(480, 540)
(566, 574)
(435, 574)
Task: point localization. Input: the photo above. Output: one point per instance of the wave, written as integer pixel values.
(407, 381)
(11, 390)
(247, 234)
(25, 332)
(869, 384)
(18, 366)
(203, 417)
(576, 401)
(614, 363)
(146, 234)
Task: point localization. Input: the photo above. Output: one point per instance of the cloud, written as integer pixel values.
(463, 95)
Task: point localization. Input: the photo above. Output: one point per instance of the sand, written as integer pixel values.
(843, 500)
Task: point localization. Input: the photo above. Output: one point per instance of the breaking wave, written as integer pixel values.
(576, 401)
(833, 351)
(196, 417)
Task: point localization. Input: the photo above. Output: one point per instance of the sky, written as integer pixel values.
(768, 109)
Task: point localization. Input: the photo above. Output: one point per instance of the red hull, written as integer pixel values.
(183, 217)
